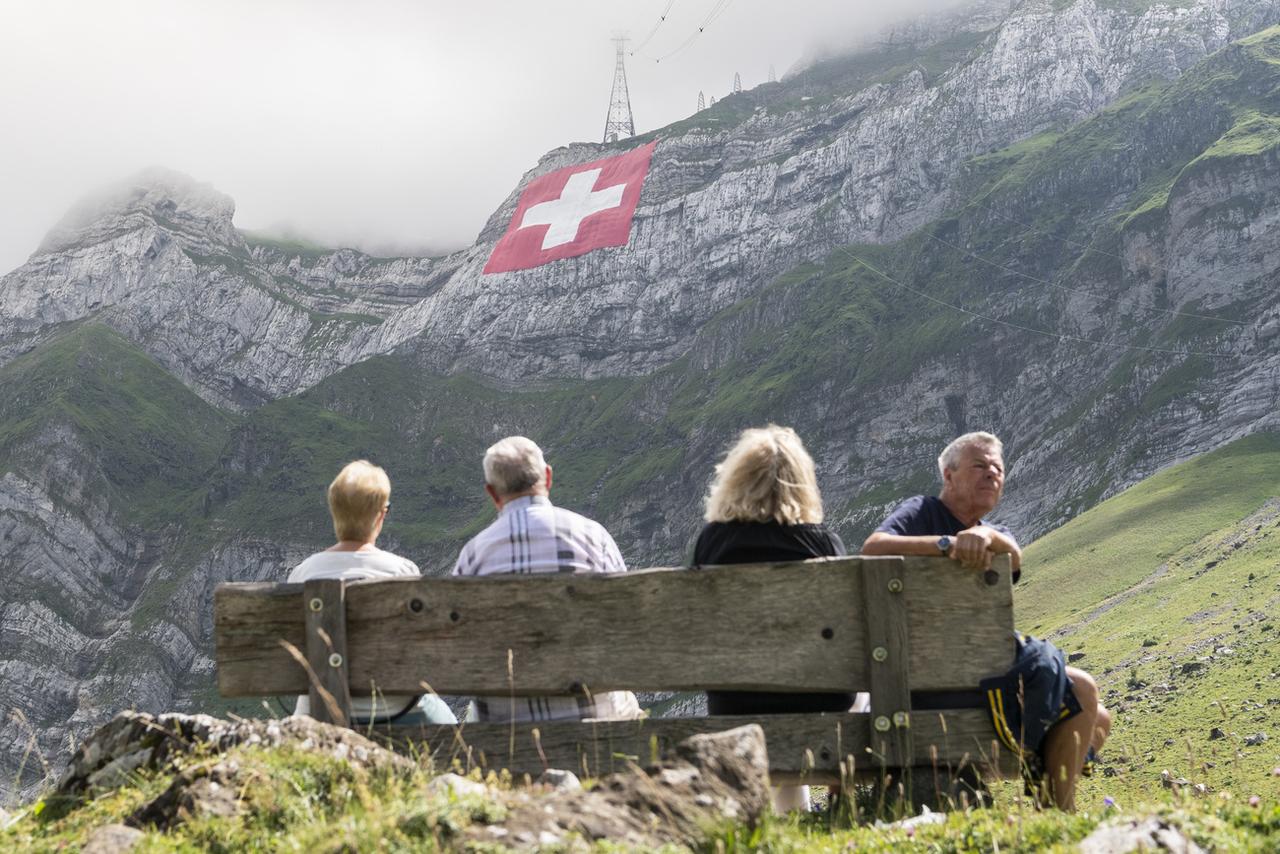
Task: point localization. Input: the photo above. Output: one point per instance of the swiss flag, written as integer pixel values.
(573, 210)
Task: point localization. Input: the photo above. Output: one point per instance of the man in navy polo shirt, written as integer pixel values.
(952, 524)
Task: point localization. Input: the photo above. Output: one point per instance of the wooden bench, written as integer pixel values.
(893, 626)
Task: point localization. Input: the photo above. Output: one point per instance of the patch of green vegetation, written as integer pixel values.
(306, 800)
(1170, 589)
(290, 799)
(1251, 135)
(287, 245)
(149, 437)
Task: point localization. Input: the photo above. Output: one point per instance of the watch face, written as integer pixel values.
(944, 545)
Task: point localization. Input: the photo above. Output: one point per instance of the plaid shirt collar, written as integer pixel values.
(522, 502)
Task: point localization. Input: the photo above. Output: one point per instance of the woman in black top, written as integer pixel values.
(764, 505)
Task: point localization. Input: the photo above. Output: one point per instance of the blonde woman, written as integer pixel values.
(359, 500)
(764, 505)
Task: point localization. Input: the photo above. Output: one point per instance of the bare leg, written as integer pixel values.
(1102, 727)
(1067, 744)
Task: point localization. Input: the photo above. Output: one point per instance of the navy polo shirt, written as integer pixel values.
(925, 516)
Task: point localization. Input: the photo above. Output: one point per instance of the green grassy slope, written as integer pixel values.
(1172, 592)
(149, 439)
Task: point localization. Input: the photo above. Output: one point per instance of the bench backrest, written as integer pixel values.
(836, 624)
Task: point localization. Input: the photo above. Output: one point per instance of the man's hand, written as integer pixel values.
(972, 547)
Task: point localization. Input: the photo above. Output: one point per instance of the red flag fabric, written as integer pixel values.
(572, 211)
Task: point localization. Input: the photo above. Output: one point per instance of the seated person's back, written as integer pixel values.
(531, 535)
(359, 499)
(765, 506)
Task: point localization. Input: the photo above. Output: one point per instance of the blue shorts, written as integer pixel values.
(1032, 697)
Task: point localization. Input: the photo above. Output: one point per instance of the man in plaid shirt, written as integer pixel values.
(533, 535)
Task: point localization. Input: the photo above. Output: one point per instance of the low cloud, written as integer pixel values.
(391, 125)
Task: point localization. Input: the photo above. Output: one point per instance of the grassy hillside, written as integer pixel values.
(149, 437)
(1172, 592)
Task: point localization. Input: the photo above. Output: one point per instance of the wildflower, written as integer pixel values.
(1109, 802)
(1254, 801)
(1275, 772)
(911, 831)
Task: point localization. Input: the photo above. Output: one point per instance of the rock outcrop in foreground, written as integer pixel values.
(708, 782)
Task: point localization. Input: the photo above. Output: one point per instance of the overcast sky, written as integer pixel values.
(386, 124)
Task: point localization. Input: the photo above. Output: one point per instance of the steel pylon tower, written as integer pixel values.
(702, 101)
(737, 82)
(620, 124)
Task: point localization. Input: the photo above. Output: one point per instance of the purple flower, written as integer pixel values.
(1109, 802)
(1254, 801)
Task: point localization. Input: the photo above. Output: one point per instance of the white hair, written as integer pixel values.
(949, 459)
(513, 465)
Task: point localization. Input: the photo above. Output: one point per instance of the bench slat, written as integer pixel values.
(888, 640)
(326, 627)
(801, 746)
(748, 627)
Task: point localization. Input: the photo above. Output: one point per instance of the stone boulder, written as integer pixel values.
(133, 741)
(1149, 834)
(709, 780)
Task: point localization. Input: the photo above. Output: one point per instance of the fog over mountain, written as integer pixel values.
(391, 125)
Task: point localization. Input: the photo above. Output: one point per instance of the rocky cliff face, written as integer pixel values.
(1069, 210)
(736, 196)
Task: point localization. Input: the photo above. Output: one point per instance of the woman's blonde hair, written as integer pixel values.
(767, 476)
(357, 495)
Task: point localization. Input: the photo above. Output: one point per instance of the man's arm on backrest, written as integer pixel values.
(881, 543)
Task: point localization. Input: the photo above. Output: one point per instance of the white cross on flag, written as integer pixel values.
(573, 210)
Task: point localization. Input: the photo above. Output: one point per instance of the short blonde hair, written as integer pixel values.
(357, 495)
(513, 465)
(949, 459)
(767, 476)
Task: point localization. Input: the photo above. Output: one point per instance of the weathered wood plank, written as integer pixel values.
(777, 627)
(806, 747)
(884, 603)
(250, 622)
(326, 630)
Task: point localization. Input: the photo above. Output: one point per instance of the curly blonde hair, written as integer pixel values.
(767, 476)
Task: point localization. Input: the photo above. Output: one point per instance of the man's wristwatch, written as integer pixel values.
(944, 545)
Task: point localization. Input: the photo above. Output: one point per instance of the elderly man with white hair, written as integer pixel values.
(532, 535)
(1054, 710)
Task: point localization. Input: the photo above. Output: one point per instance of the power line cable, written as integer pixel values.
(1061, 287)
(661, 19)
(720, 7)
(1061, 336)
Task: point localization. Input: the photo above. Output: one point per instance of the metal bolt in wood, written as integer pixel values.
(880, 654)
(335, 660)
(900, 719)
(316, 604)
(882, 724)
(895, 585)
